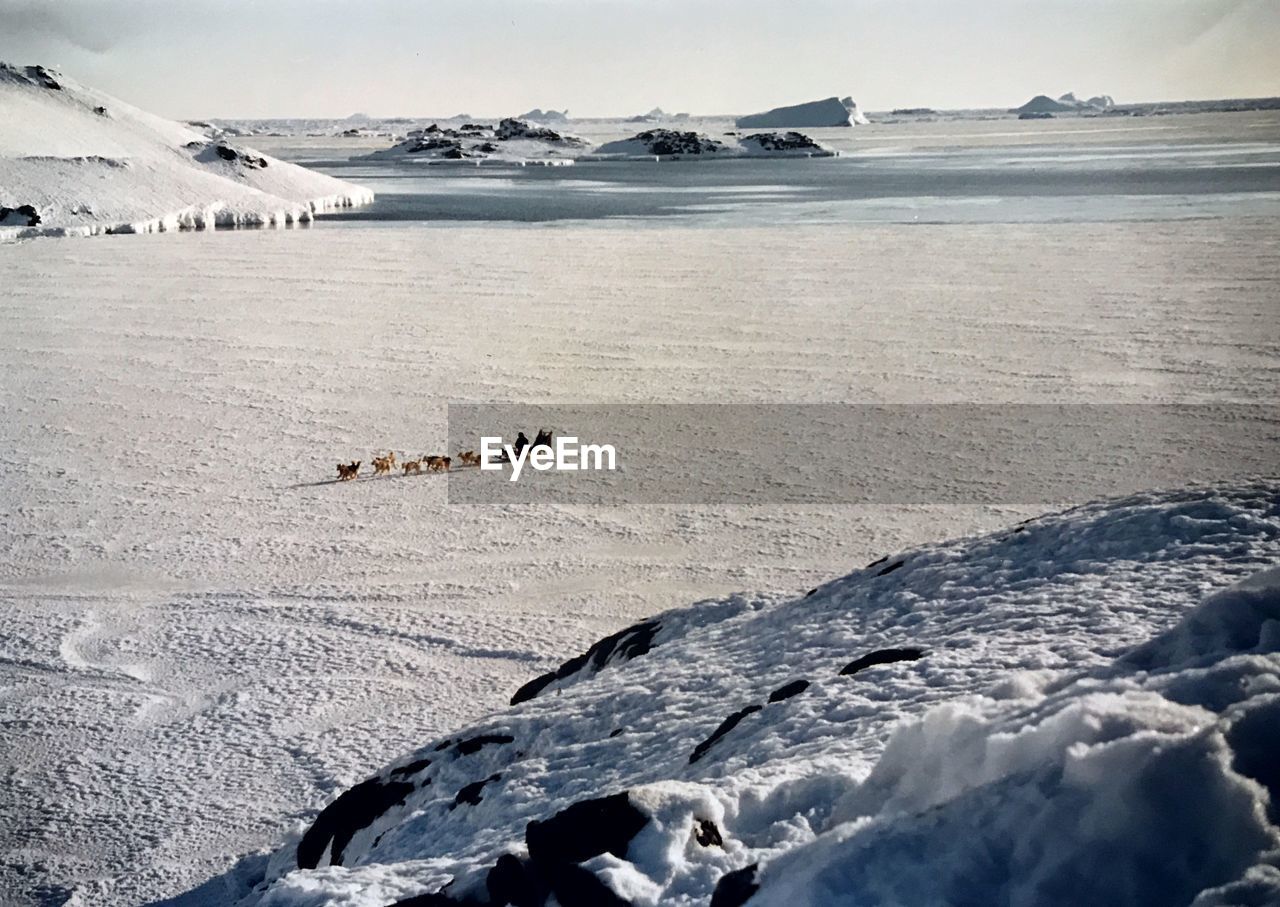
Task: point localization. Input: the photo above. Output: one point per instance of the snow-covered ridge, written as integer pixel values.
(75, 161)
(1081, 709)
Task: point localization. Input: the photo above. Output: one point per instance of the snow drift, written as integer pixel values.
(1083, 709)
(831, 111)
(74, 161)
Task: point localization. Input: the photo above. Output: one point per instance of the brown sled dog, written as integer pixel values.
(414, 466)
(348, 471)
(469, 458)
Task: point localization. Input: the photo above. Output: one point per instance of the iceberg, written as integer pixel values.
(831, 111)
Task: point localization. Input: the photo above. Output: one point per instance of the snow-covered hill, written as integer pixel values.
(1082, 709)
(76, 161)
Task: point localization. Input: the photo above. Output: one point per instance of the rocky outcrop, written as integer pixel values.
(21, 216)
(513, 140)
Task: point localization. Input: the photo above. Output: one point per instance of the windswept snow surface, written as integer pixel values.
(1064, 712)
(89, 163)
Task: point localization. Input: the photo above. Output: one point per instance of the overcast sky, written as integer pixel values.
(613, 57)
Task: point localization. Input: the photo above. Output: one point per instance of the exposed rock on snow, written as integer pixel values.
(89, 163)
(663, 143)
(831, 111)
(614, 649)
(1021, 761)
(671, 144)
(21, 216)
(512, 141)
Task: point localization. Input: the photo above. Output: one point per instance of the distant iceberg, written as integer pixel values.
(832, 111)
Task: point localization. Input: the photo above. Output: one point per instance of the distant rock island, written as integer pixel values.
(512, 141)
(671, 144)
(831, 111)
(538, 115)
(1068, 102)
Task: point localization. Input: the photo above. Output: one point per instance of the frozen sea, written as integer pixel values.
(202, 645)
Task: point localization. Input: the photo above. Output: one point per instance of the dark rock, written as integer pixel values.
(619, 647)
(574, 886)
(736, 888)
(811, 592)
(791, 689)
(615, 732)
(43, 77)
(784, 141)
(338, 822)
(669, 141)
(412, 768)
(27, 212)
(725, 727)
(227, 153)
(472, 745)
(101, 111)
(892, 567)
(706, 834)
(881, 657)
(433, 899)
(511, 128)
(876, 563)
(516, 882)
(584, 830)
(1035, 115)
(470, 793)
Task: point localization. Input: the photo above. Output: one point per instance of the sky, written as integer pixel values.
(332, 58)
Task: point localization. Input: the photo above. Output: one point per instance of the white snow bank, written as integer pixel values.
(1056, 714)
(831, 111)
(1141, 789)
(87, 163)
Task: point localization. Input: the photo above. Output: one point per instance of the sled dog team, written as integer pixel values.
(433, 463)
